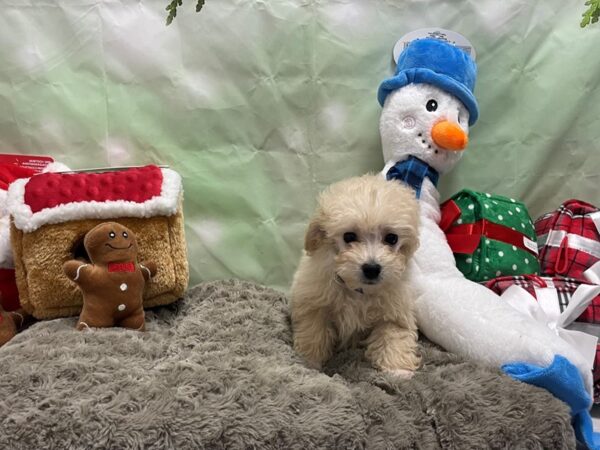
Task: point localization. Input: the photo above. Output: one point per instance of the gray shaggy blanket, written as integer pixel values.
(216, 370)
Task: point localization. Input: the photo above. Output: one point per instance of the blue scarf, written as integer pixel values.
(412, 171)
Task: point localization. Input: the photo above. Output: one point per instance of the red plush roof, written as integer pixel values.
(137, 185)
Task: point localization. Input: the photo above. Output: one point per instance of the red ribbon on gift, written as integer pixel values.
(465, 238)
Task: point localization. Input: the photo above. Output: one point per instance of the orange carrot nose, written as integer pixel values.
(449, 136)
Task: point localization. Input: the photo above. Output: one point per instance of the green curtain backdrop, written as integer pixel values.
(259, 104)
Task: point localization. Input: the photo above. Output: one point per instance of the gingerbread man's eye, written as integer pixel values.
(125, 235)
(111, 235)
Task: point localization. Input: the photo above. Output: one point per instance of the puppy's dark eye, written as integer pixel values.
(350, 237)
(125, 235)
(111, 235)
(391, 239)
(431, 105)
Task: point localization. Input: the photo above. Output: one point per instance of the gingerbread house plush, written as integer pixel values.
(52, 212)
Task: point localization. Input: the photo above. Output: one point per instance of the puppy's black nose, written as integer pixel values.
(371, 271)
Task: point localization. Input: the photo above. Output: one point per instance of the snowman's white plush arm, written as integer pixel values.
(468, 319)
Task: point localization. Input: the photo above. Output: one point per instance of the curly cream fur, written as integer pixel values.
(332, 303)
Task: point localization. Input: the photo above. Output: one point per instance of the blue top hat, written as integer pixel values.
(439, 63)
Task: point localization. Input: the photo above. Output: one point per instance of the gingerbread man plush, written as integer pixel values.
(113, 283)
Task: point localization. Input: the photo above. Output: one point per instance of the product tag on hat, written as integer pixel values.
(452, 37)
(35, 162)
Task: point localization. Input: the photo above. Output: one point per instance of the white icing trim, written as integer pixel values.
(164, 205)
(555, 238)
(55, 167)
(78, 269)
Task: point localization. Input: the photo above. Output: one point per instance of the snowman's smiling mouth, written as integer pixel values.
(425, 142)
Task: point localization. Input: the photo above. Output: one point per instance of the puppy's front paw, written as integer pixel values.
(401, 373)
(312, 359)
(312, 364)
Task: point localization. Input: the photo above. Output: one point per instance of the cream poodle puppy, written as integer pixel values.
(351, 284)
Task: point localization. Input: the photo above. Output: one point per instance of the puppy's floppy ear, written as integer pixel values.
(410, 245)
(315, 235)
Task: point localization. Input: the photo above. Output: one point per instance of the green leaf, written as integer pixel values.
(199, 5)
(172, 8)
(592, 14)
(585, 21)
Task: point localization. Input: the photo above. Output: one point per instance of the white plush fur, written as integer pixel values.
(461, 316)
(405, 116)
(333, 304)
(24, 219)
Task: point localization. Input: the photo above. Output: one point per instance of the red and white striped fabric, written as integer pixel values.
(556, 292)
(569, 241)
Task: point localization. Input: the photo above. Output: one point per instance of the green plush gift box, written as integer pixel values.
(490, 235)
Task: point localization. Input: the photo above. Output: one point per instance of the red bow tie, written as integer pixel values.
(121, 267)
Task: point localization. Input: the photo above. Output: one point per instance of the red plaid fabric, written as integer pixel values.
(568, 240)
(527, 282)
(565, 288)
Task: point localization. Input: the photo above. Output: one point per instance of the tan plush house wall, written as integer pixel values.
(39, 255)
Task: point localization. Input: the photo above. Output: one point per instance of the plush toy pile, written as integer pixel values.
(52, 221)
(51, 214)
(428, 106)
(567, 292)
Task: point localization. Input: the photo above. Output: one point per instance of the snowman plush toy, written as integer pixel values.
(428, 107)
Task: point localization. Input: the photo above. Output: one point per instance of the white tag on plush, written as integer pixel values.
(530, 244)
(449, 36)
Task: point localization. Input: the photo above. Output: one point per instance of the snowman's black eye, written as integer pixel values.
(431, 105)
(112, 234)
